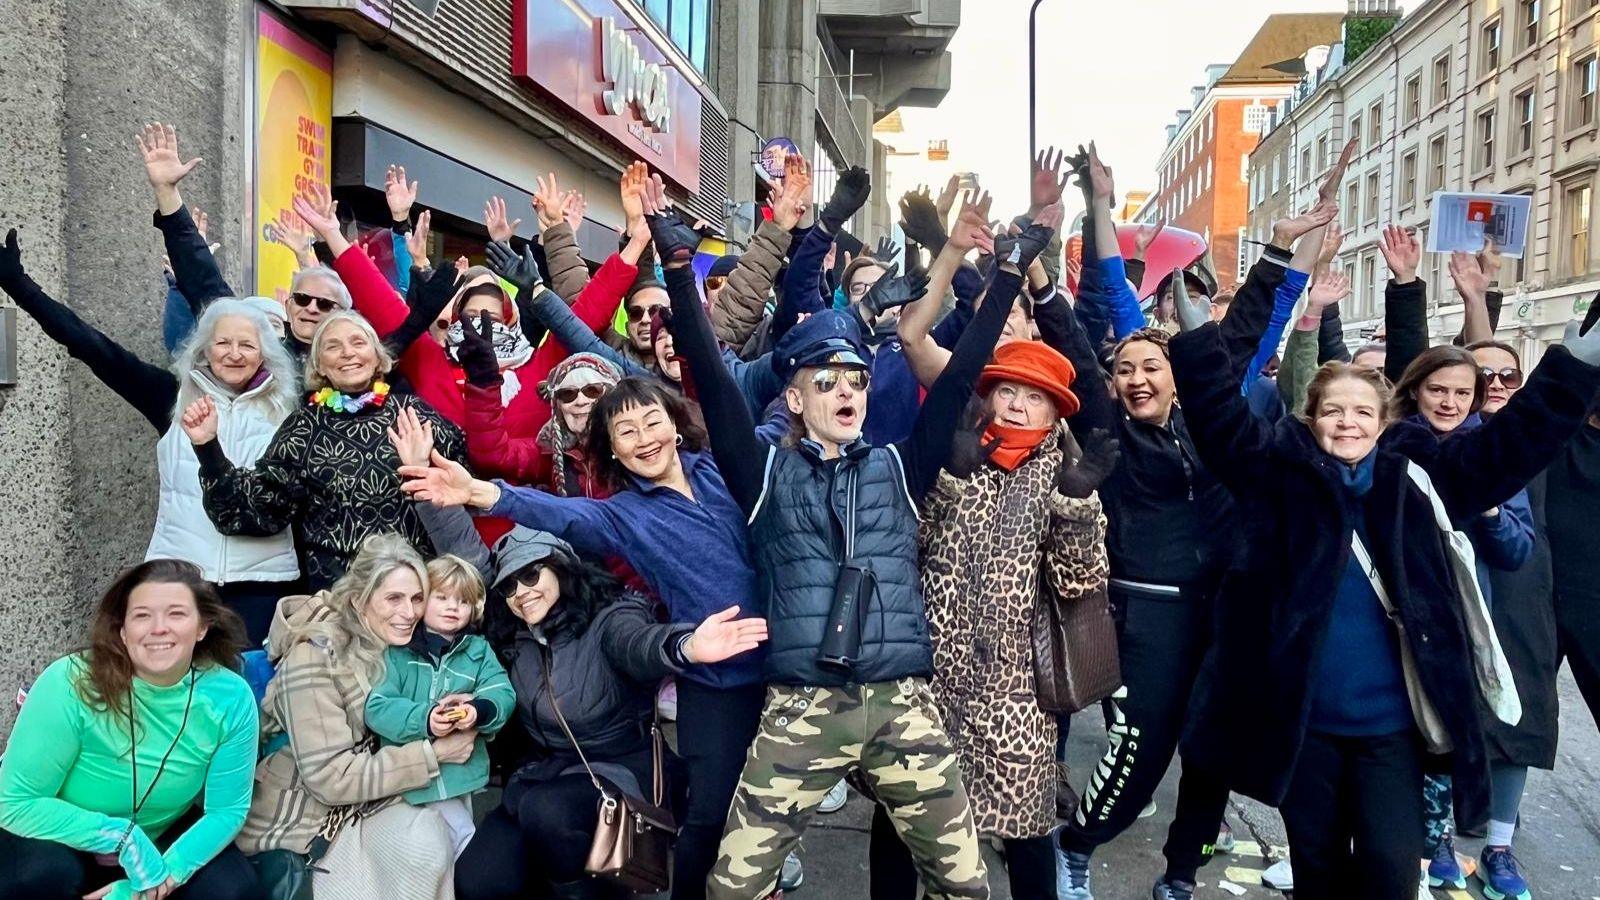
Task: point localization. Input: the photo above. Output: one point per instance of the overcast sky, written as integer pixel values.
(1113, 71)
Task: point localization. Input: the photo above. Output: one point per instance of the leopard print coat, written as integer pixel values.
(985, 541)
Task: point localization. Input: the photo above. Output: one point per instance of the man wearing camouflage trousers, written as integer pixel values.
(827, 511)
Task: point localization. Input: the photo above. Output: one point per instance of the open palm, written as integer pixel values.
(444, 483)
(722, 636)
(158, 144)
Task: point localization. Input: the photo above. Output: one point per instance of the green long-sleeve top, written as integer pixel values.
(67, 776)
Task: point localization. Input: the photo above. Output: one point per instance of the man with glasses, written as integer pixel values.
(639, 305)
(315, 292)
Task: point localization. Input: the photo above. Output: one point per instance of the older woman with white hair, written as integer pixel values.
(328, 804)
(330, 471)
(234, 363)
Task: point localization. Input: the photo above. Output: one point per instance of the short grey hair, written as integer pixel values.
(341, 294)
(315, 381)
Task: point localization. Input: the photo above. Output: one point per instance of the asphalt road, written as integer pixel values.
(1558, 841)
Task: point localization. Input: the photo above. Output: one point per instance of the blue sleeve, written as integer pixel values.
(1283, 301)
(587, 525)
(1112, 284)
(566, 327)
(1506, 541)
(177, 318)
(402, 262)
(802, 283)
(756, 380)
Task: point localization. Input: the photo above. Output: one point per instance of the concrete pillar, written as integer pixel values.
(738, 35)
(787, 103)
(77, 465)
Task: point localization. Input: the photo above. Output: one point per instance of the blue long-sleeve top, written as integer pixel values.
(1505, 541)
(177, 318)
(802, 283)
(1113, 293)
(1283, 301)
(695, 554)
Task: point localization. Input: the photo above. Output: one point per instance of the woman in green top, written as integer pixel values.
(81, 815)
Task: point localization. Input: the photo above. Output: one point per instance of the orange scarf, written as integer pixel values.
(1016, 444)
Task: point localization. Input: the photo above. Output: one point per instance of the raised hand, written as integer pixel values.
(1082, 476)
(887, 250)
(412, 437)
(1147, 235)
(972, 226)
(522, 271)
(399, 193)
(444, 482)
(1332, 240)
(850, 193)
(548, 201)
(1489, 260)
(476, 354)
(675, 241)
(1022, 248)
(200, 421)
(1329, 288)
(1402, 252)
(202, 222)
(12, 274)
(494, 219)
(290, 230)
(158, 144)
(921, 221)
(1048, 181)
(1191, 313)
(1468, 275)
(795, 194)
(632, 185)
(1286, 231)
(1585, 346)
(721, 636)
(316, 206)
(573, 207)
(1102, 185)
(947, 198)
(893, 290)
(417, 240)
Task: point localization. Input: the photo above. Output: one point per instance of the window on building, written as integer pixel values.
(1413, 98)
(1579, 200)
(1522, 112)
(1375, 124)
(1489, 44)
(1208, 174)
(1528, 22)
(1441, 79)
(687, 23)
(1322, 154)
(1352, 205)
(1408, 179)
(1369, 282)
(1243, 267)
(1354, 131)
(1436, 163)
(1244, 168)
(1583, 78)
(1277, 180)
(1305, 166)
(1483, 146)
(1255, 118)
(1370, 211)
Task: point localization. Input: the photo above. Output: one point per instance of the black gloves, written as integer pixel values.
(968, 452)
(476, 352)
(919, 219)
(675, 241)
(1079, 478)
(1023, 248)
(522, 271)
(887, 250)
(849, 194)
(12, 275)
(432, 290)
(894, 290)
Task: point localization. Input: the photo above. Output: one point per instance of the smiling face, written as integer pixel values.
(1142, 378)
(347, 358)
(667, 361)
(575, 412)
(831, 402)
(1445, 396)
(305, 310)
(395, 606)
(234, 354)
(645, 441)
(1021, 406)
(446, 613)
(1348, 419)
(160, 630)
(534, 593)
(639, 307)
(1498, 361)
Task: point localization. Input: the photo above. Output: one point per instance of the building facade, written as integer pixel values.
(1462, 95)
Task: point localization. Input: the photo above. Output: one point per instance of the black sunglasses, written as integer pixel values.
(592, 391)
(635, 313)
(304, 300)
(1511, 378)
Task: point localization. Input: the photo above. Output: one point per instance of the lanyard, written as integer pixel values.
(133, 754)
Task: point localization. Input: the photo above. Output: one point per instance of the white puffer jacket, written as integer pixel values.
(245, 426)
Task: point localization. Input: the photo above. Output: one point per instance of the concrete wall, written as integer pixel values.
(77, 474)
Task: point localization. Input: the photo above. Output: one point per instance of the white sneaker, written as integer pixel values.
(1279, 876)
(835, 800)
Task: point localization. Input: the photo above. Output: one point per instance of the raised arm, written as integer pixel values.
(971, 230)
(1232, 442)
(569, 274)
(1405, 306)
(192, 263)
(1472, 282)
(1110, 279)
(536, 301)
(1060, 329)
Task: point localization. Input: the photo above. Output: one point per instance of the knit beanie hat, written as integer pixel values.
(1036, 364)
(579, 370)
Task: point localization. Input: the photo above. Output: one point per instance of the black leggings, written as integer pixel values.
(1030, 864)
(255, 602)
(46, 870)
(1162, 641)
(716, 727)
(533, 847)
(1354, 816)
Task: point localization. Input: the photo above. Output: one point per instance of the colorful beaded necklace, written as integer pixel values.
(338, 401)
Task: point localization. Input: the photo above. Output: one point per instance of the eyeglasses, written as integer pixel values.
(592, 391)
(304, 300)
(1511, 378)
(827, 380)
(635, 313)
(859, 288)
(715, 282)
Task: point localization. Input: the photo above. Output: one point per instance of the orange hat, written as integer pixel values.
(1033, 363)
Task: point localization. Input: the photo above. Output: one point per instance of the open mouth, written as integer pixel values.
(845, 415)
(1138, 397)
(161, 647)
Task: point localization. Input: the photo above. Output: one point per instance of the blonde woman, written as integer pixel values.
(327, 799)
(330, 471)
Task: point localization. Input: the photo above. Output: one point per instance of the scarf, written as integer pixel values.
(1357, 479)
(511, 349)
(1016, 444)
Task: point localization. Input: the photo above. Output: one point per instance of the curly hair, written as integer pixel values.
(631, 393)
(1149, 335)
(110, 668)
(584, 589)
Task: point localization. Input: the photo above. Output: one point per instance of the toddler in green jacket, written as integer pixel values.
(447, 679)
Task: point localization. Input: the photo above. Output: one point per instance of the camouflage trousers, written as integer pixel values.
(810, 737)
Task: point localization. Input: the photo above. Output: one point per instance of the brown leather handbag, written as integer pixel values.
(632, 839)
(1075, 661)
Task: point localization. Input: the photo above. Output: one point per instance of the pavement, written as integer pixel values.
(1558, 841)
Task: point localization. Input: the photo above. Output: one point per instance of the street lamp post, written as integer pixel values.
(1033, 83)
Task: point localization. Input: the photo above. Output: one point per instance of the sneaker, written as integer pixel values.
(1225, 840)
(1148, 811)
(1501, 876)
(1279, 876)
(1445, 869)
(835, 799)
(1172, 890)
(793, 874)
(1072, 875)
(1066, 797)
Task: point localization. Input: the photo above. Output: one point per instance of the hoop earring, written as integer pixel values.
(678, 441)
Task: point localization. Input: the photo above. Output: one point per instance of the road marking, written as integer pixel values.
(1251, 848)
(1239, 875)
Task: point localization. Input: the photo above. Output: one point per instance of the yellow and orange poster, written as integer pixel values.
(294, 124)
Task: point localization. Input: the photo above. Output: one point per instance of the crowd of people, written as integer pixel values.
(466, 525)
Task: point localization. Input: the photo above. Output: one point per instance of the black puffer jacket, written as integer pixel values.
(604, 679)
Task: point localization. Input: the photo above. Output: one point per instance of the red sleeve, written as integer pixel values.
(493, 452)
(597, 303)
(372, 294)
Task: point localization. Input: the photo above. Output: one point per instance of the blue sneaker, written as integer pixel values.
(1444, 870)
(1072, 875)
(1500, 875)
(1172, 890)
